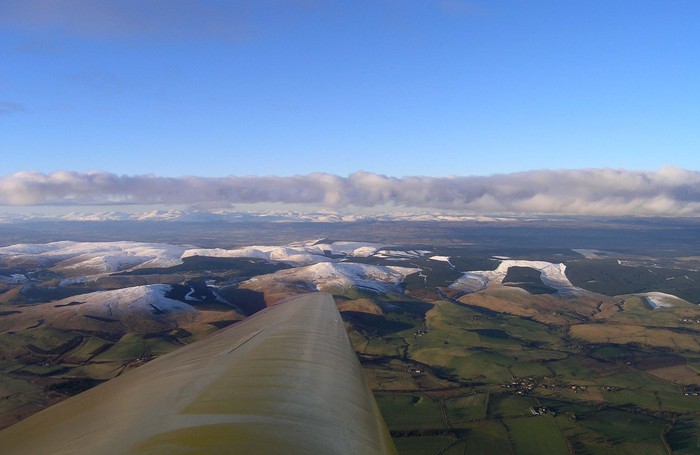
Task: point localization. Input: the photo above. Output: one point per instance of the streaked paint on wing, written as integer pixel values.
(285, 381)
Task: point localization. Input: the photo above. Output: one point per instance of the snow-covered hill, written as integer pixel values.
(296, 254)
(142, 300)
(94, 257)
(340, 275)
(293, 256)
(106, 257)
(233, 216)
(140, 309)
(553, 275)
(85, 261)
(318, 264)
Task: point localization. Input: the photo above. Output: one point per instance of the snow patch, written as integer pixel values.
(77, 280)
(471, 282)
(400, 255)
(591, 253)
(352, 249)
(553, 275)
(15, 278)
(189, 296)
(441, 259)
(659, 299)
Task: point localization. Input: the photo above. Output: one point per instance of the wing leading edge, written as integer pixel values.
(284, 381)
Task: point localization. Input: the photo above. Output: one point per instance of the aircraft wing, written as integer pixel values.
(284, 381)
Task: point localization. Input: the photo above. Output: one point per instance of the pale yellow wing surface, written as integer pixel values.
(284, 381)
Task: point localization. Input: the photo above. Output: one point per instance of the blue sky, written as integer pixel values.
(400, 88)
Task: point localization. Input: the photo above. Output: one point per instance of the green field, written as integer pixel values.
(599, 398)
(536, 435)
(504, 406)
(427, 445)
(404, 412)
(467, 408)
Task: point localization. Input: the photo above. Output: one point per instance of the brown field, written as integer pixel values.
(679, 374)
(361, 306)
(592, 394)
(10, 294)
(67, 318)
(513, 301)
(660, 361)
(545, 308)
(599, 368)
(623, 334)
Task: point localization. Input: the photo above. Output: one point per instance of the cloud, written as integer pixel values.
(9, 108)
(668, 192)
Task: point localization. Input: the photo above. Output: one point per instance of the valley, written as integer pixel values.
(579, 338)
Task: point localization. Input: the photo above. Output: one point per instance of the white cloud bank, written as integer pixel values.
(669, 192)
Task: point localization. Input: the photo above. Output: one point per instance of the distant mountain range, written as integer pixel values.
(238, 216)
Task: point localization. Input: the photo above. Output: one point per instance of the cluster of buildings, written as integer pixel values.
(691, 391)
(542, 411)
(524, 386)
